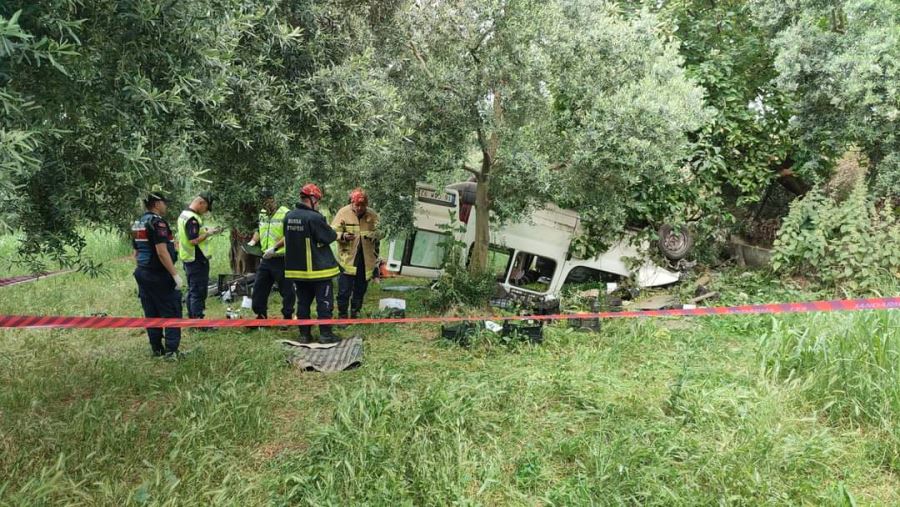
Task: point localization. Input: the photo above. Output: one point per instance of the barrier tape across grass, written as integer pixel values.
(74, 322)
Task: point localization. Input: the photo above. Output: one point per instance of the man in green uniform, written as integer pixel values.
(271, 269)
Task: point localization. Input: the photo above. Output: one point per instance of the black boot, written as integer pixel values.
(326, 335)
(341, 315)
(305, 334)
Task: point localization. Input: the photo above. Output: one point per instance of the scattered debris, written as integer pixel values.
(402, 288)
(532, 331)
(749, 255)
(583, 324)
(230, 285)
(704, 297)
(459, 333)
(493, 326)
(663, 302)
(591, 293)
(392, 307)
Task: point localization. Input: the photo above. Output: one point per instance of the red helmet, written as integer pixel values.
(358, 196)
(312, 191)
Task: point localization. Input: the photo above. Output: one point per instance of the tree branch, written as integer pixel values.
(421, 60)
(474, 50)
(482, 140)
(471, 169)
(428, 73)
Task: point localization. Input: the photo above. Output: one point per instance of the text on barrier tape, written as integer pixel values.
(61, 322)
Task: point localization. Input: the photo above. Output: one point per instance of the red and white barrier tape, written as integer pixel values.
(70, 322)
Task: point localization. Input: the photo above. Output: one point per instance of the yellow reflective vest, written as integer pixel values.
(271, 229)
(187, 251)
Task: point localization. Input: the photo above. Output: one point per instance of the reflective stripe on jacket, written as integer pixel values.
(307, 254)
(366, 230)
(271, 229)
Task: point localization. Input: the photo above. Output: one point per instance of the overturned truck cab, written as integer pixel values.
(532, 258)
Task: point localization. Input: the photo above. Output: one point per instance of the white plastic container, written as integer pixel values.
(392, 303)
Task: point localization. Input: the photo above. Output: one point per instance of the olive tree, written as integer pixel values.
(567, 101)
(104, 101)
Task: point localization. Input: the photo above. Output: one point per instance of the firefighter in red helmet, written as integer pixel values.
(309, 262)
(358, 236)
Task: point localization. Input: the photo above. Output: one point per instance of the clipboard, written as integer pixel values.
(254, 250)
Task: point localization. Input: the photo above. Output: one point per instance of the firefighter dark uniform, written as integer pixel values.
(156, 287)
(310, 264)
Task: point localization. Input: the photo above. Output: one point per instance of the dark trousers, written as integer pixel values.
(320, 291)
(198, 286)
(352, 290)
(160, 298)
(271, 271)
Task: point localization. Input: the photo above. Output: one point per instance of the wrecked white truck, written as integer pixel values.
(531, 259)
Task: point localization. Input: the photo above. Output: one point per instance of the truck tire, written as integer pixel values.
(675, 243)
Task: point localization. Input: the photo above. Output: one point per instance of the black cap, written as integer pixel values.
(207, 196)
(153, 198)
(266, 193)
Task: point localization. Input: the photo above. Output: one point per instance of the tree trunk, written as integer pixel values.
(490, 147)
(478, 262)
(241, 263)
(789, 180)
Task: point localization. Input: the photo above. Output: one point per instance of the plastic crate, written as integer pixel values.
(533, 332)
(458, 333)
(581, 324)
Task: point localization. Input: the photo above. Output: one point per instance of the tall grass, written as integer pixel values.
(651, 412)
(569, 423)
(130, 430)
(848, 366)
(101, 246)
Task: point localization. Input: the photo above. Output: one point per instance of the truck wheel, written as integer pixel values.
(675, 243)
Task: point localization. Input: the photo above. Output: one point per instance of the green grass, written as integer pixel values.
(102, 246)
(742, 410)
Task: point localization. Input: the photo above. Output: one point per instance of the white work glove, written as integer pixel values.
(213, 231)
(268, 254)
(252, 242)
(178, 283)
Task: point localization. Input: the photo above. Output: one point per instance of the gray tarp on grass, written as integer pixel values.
(325, 358)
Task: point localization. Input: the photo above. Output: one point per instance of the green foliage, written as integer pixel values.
(886, 183)
(92, 252)
(567, 102)
(622, 118)
(733, 60)
(105, 101)
(458, 287)
(735, 154)
(838, 59)
(849, 245)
